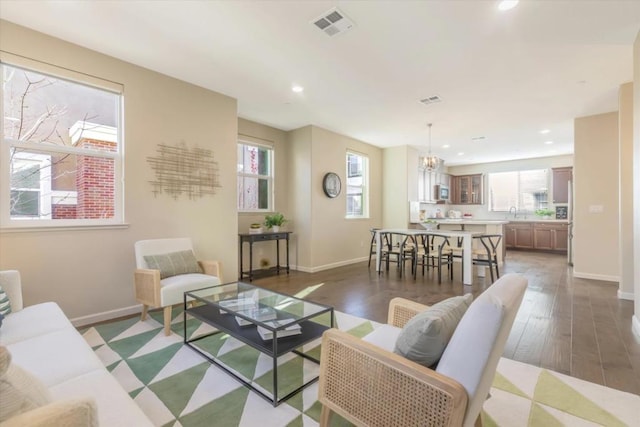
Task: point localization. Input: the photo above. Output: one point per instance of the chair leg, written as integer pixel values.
(450, 265)
(167, 320)
(497, 272)
(145, 309)
(371, 252)
(491, 270)
(325, 416)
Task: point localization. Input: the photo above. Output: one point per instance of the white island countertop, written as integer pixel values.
(556, 221)
(470, 221)
(478, 221)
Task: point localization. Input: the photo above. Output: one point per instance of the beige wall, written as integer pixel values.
(91, 271)
(336, 240)
(596, 174)
(626, 260)
(277, 139)
(395, 213)
(636, 181)
(300, 197)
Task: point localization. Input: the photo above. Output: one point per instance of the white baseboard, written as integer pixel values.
(603, 277)
(625, 295)
(636, 324)
(330, 266)
(106, 315)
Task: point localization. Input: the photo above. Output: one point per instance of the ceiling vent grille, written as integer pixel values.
(431, 100)
(333, 22)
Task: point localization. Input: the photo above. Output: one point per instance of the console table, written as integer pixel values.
(251, 238)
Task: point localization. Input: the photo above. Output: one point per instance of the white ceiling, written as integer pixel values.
(501, 75)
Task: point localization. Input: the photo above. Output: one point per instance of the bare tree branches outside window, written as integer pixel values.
(61, 138)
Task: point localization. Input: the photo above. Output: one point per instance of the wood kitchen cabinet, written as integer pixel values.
(561, 178)
(466, 189)
(519, 235)
(549, 236)
(542, 236)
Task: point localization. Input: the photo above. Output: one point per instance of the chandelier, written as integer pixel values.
(430, 162)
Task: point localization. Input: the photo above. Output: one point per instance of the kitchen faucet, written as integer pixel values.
(515, 212)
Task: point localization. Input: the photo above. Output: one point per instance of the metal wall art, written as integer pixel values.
(182, 170)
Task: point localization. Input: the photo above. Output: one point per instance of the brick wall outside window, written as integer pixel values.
(94, 184)
(64, 212)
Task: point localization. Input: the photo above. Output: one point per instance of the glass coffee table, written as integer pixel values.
(271, 322)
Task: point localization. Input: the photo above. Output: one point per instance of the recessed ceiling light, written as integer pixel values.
(545, 131)
(548, 142)
(507, 5)
(461, 154)
(297, 88)
(446, 146)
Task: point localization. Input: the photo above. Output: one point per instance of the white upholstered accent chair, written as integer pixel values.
(365, 382)
(154, 290)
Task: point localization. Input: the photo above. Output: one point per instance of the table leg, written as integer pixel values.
(275, 369)
(240, 273)
(278, 256)
(250, 261)
(378, 245)
(287, 254)
(467, 278)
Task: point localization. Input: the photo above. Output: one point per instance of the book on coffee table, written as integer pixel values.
(260, 314)
(266, 334)
(236, 304)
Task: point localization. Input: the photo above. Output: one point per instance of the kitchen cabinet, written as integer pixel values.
(426, 185)
(467, 189)
(549, 236)
(542, 236)
(519, 235)
(561, 178)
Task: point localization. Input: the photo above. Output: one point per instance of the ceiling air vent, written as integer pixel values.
(333, 22)
(431, 100)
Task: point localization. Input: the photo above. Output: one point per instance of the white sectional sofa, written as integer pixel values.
(43, 342)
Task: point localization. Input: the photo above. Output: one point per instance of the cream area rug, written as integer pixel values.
(177, 387)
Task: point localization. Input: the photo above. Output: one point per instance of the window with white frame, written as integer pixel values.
(61, 148)
(357, 185)
(255, 177)
(525, 190)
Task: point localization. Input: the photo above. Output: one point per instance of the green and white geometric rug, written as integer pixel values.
(177, 387)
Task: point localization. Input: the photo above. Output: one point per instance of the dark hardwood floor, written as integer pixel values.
(574, 326)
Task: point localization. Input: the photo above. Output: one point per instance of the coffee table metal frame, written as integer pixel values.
(210, 313)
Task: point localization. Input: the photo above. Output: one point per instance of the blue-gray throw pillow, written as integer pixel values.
(174, 263)
(424, 337)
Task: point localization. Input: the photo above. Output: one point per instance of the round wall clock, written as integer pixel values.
(331, 185)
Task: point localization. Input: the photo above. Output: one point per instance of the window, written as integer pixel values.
(524, 190)
(357, 181)
(62, 150)
(255, 177)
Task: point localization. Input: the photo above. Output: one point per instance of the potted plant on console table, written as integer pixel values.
(274, 221)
